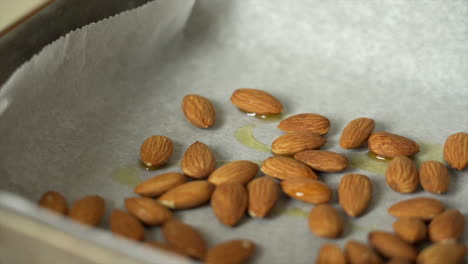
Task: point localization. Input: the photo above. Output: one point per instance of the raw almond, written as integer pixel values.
(355, 194)
(184, 238)
(356, 133)
(325, 221)
(54, 201)
(187, 195)
(156, 151)
(229, 202)
(198, 110)
(256, 101)
(359, 253)
(126, 225)
(390, 145)
(160, 184)
(330, 253)
(285, 168)
(88, 210)
(241, 171)
(399, 261)
(307, 190)
(438, 253)
(402, 175)
(434, 177)
(322, 160)
(198, 161)
(166, 247)
(421, 207)
(231, 252)
(293, 142)
(456, 150)
(148, 210)
(449, 225)
(391, 246)
(263, 195)
(307, 122)
(411, 230)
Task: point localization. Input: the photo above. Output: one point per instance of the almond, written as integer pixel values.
(391, 246)
(233, 252)
(293, 142)
(198, 110)
(355, 194)
(307, 190)
(256, 101)
(156, 151)
(322, 160)
(356, 133)
(198, 161)
(399, 261)
(434, 177)
(148, 210)
(229, 202)
(241, 171)
(411, 230)
(263, 195)
(285, 168)
(54, 201)
(187, 195)
(166, 247)
(184, 238)
(126, 225)
(448, 225)
(402, 175)
(447, 253)
(390, 145)
(307, 122)
(359, 253)
(88, 210)
(160, 184)
(325, 221)
(456, 150)
(330, 253)
(421, 207)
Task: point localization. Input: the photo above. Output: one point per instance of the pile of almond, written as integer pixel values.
(234, 190)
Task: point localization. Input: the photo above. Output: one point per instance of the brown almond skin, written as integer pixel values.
(88, 210)
(148, 210)
(54, 201)
(391, 246)
(330, 253)
(325, 221)
(424, 208)
(159, 184)
(402, 175)
(307, 122)
(229, 202)
(126, 225)
(322, 160)
(188, 195)
(241, 171)
(231, 252)
(286, 168)
(355, 194)
(359, 253)
(446, 253)
(356, 133)
(293, 142)
(256, 101)
(156, 151)
(399, 261)
(390, 145)
(434, 177)
(307, 190)
(411, 230)
(263, 195)
(456, 150)
(166, 247)
(199, 111)
(448, 225)
(184, 238)
(198, 161)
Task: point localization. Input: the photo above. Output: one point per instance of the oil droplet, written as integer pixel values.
(429, 151)
(364, 161)
(363, 228)
(127, 175)
(244, 135)
(377, 156)
(296, 212)
(264, 117)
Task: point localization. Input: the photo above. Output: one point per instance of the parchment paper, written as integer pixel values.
(79, 110)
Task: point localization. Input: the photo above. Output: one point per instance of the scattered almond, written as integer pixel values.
(330, 254)
(285, 168)
(322, 160)
(293, 142)
(229, 202)
(187, 195)
(241, 171)
(308, 122)
(448, 225)
(359, 253)
(159, 184)
(256, 101)
(263, 194)
(434, 177)
(399, 261)
(402, 175)
(148, 210)
(390, 145)
(184, 238)
(325, 221)
(355, 193)
(199, 110)
(166, 247)
(356, 133)
(156, 151)
(88, 210)
(54, 201)
(231, 252)
(438, 253)
(456, 150)
(126, 225)
(411, 230)
(307, 190)
(198, 161)
(391, 246)
(421, 207)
